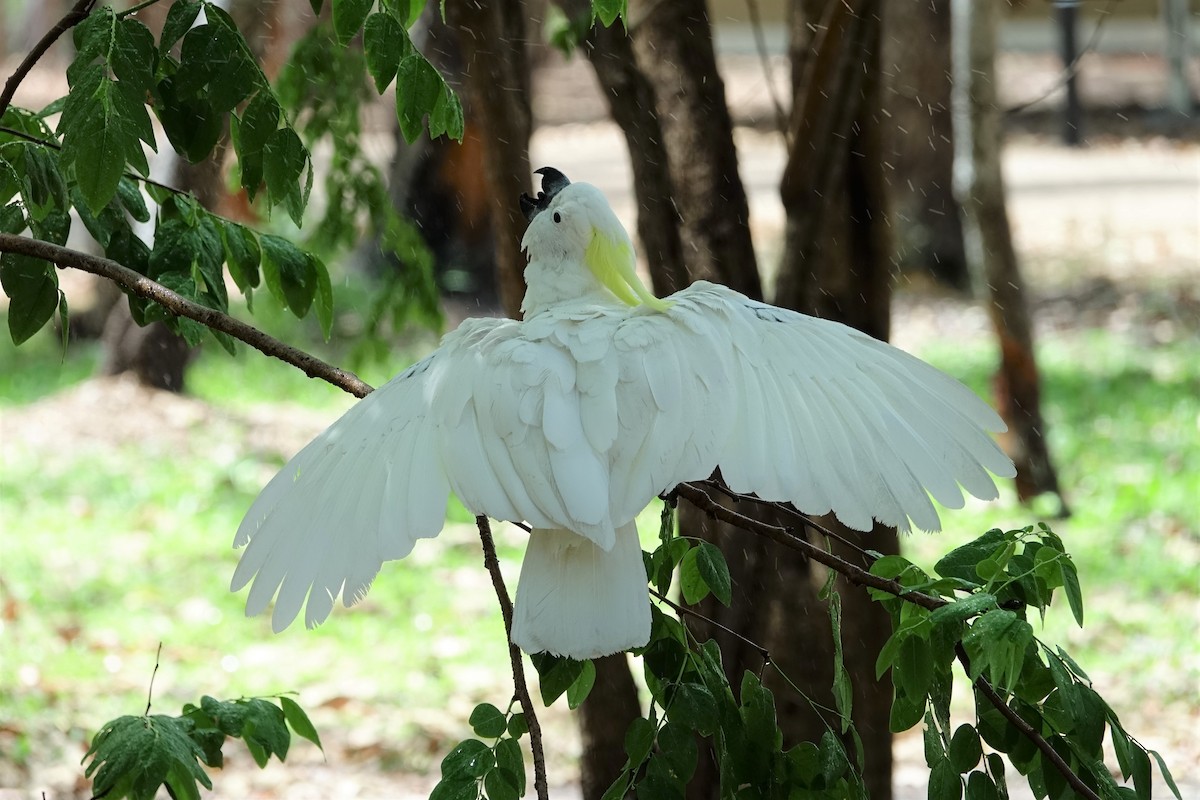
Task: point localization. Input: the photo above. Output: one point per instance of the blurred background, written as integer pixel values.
(127, 460)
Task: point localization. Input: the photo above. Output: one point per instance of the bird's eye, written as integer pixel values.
(557, 217)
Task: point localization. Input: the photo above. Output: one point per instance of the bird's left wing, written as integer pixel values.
(359, 494)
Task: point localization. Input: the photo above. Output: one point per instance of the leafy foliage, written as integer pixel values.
(134, 756)
(199, 79)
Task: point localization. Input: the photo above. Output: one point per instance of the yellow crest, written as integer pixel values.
(611, 261)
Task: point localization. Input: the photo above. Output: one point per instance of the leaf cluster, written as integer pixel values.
(200, 80)
(986, 588)
(134, 756)
(474, 769)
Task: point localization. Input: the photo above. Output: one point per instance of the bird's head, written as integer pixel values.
(573, 223)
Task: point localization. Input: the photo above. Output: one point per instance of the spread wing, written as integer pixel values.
(798, 409)
(492, 415)
(360, 493)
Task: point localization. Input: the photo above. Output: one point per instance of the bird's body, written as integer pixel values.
(575, 418)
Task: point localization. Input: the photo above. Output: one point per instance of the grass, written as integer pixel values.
(109, 549)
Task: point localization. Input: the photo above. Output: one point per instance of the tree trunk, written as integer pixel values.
(979, 184)
(604, 717)
(919, 143)
(491, 41)
(674, 46)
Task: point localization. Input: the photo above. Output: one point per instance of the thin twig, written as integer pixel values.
(76, 15)
(1025, 728)
(134, 9)
(150, 691)
(492, 562)
(760, 44)
(762, 651)
(1070, 69)
(143, 287)
(788, 538)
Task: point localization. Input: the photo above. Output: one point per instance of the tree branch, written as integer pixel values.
(1026, 729)
(855, 574)
(76, 15)
(492, 563)
(180, 306)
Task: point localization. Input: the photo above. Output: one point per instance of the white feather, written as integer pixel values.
(577, 600)
(574, 419)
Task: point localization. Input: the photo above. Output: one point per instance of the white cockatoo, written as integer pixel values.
(575, 418)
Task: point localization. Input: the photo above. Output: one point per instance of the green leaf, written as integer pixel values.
(714, 571)
(456, 788)
(843, 691)
(446, 116)
(94, 39)
(250, 134)
(518, 726)
(213, 62)
(499, 785)
(180, 18)
(134, 756)
(470, 758)
(64, 320)
(32, 287)
(191, 123)
(1166, 773)
(961, 562)
(944, 783)
(44, 189)
(511, 759)
(834, 763)
(694, 707)
(963, 609)
(130, 195)
(348, 16)
(677, 746)
(906, 712)
(284, 162)
(290, 275)
(965, 750)
(12, 218)
(133, 55)
(418, 89)
(758, 714)
(406, 11)
(996, 644)
(94, 141)
(488, 721)
(299, 721)
(638, 740)
(692, 585)
(980, 786)
(912, 671)
(556, 674)
(385, 43)
(265, 725)
(578, 691)
(607, 11)
(1074, 593)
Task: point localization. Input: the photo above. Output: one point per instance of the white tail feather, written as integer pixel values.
(577, 600)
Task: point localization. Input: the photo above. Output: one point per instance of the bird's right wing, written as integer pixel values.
(831, 419)
(359, 494)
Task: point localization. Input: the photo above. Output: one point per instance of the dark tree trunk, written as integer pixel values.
(441, 185)
(916, 58)
(674, 46)
(491, 40)
(604, 717)
(836, 265)
(980, 188)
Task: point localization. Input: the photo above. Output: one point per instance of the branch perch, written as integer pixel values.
(492, 563)
(178, 305)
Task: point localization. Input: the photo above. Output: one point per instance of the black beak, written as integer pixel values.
(553, 182)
